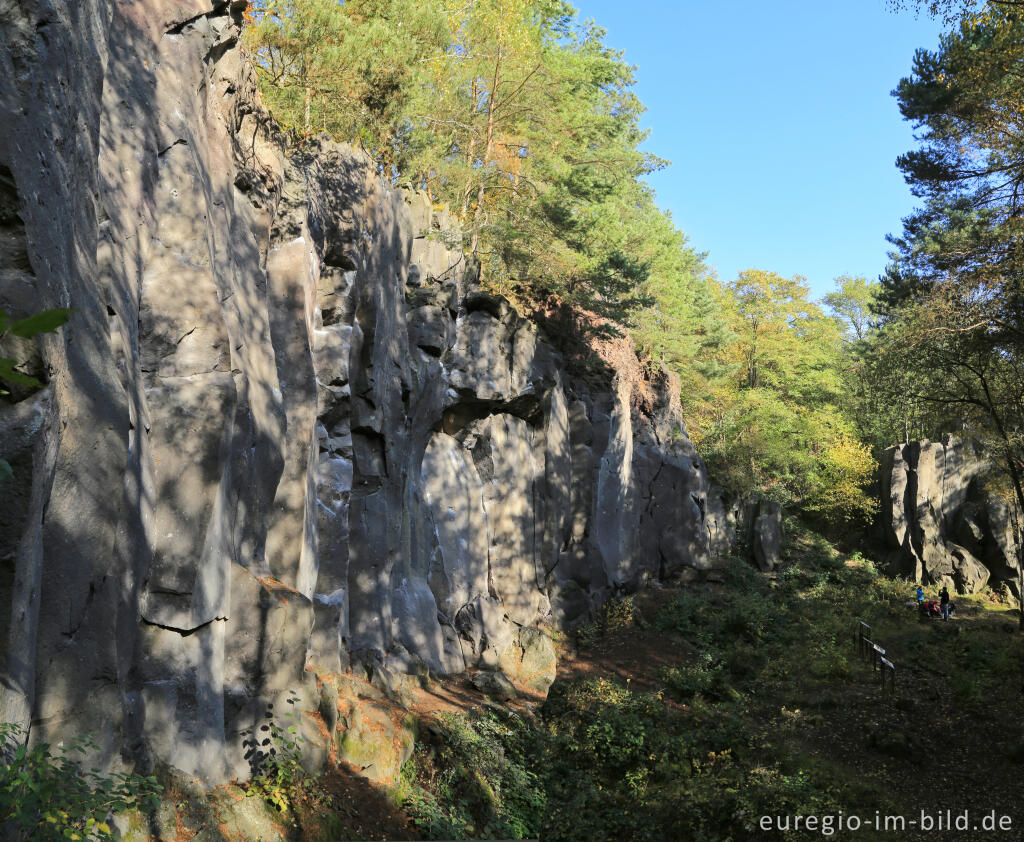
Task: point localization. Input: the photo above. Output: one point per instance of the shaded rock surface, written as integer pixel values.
(494, 684)
(943, 518)
(747, 525)
(286, 434)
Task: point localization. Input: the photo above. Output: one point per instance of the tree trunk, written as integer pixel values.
(470, 148)
(477, 213)
(464, 216)
(488, 149)
(1013, 466)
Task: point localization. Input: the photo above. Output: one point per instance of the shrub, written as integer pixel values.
(475, 778)
(616, 615)
(830, 660)
(685, 615)
(625, 766)
(742, 578)
(274, 752)
(47, 795)
(744, 663)
(686, 682)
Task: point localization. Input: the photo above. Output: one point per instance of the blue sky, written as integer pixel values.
(779, 123)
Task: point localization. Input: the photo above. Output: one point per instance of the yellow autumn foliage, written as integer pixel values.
(847, 466)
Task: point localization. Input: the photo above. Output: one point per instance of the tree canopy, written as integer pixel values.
(518, 117)
(951, 343)
(777, 419)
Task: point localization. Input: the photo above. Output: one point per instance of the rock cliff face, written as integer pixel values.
(285, 434)
(943, 520)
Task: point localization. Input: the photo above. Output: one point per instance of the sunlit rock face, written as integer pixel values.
(945, 519)
(286, 434)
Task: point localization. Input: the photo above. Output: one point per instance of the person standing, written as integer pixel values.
(920, 595)
(944, 603)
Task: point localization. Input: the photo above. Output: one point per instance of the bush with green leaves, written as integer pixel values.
(274, 752)
(617, 614)
(624, 765)
(477, 776)
(742, 613)
(685, 682)
(685, 615)
(728, 734)
(47, 795)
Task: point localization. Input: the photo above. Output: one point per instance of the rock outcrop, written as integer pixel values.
(745, 525)
(944, 520)
(286, 434)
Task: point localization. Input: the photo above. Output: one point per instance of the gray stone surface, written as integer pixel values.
(494, 684)
(766, 535)
(945, 518)
(286, 433)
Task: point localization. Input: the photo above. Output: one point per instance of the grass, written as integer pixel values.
(775, 713)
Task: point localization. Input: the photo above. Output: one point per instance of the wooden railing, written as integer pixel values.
(869, 650)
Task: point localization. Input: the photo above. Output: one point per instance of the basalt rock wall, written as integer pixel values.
(944, 518)
(285, 434)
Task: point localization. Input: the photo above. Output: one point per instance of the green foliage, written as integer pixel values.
(617, 614)
(475, 778)
(852, 305)
(778, 419)
(877, 420)
(517, 116)
(950, 352)
(47, 795)
(274, 752)
(701, 678)
(830, 660)
(351, 69)
(47, 321)
(742, 614)
(626, 766)
(686, 615)
(723, 738)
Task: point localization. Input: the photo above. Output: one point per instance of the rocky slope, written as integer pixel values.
(943, 519)
(286, 435)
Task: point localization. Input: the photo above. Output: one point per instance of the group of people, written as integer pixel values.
(930, 608)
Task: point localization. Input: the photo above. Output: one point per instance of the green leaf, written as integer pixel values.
(45, 322)
(9, 373)
(6, 472)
